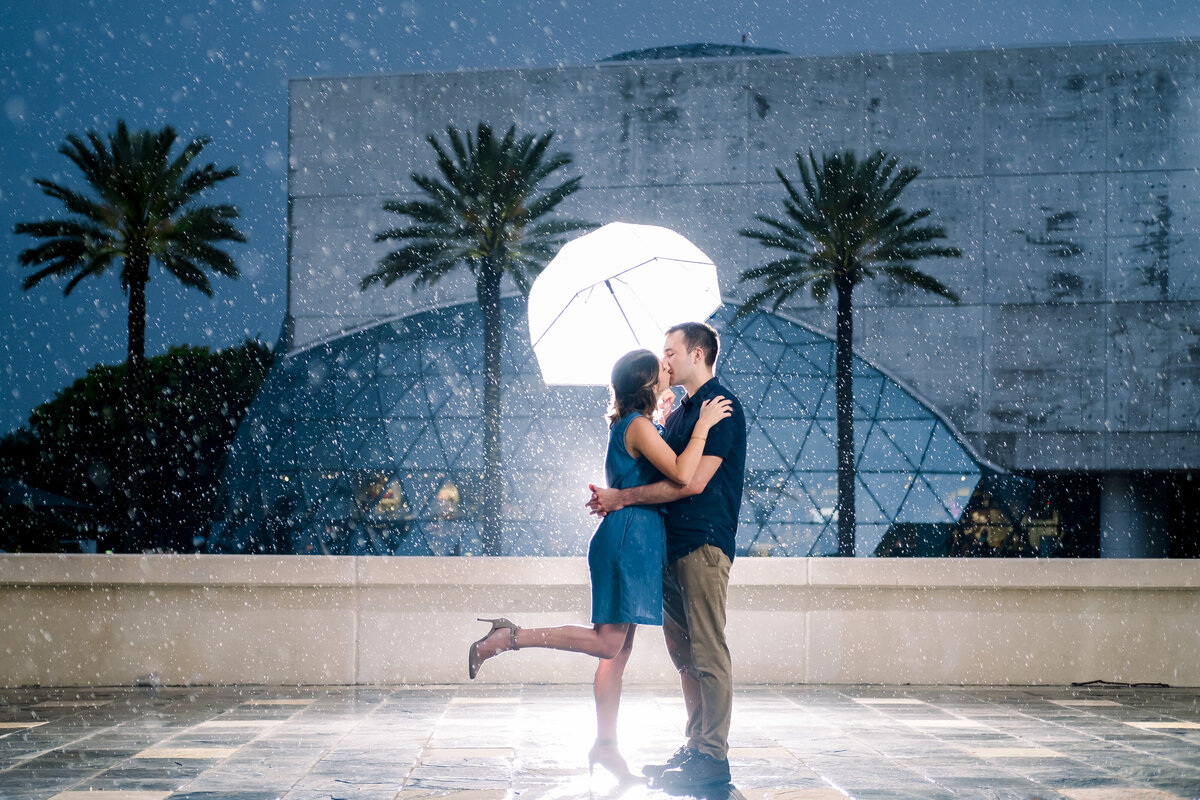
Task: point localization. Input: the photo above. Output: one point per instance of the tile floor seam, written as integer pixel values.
(1094, 737)
(283, 720)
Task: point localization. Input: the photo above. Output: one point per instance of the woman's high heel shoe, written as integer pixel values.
(605, 753)
(474, 660)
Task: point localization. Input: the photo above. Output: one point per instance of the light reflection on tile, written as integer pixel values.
(791, 743)
(1015, 752)
(769, 753)
(482, 701)
(1086, 703)
(1118, 793)
(284, 702)
(888, 701)
(453, 753)
(18, 725)
(72, 704)
(187, 752)
(440, 794)
(792, 794)
(110, 795)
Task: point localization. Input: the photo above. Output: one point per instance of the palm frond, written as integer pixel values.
(482, 212)
(910, 276)
(145, 202)
(842, 222)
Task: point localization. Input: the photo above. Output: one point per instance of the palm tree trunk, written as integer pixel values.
(135, 536)
(488, 290)
(844, 387)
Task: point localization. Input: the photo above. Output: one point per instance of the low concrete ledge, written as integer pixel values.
(112, 620)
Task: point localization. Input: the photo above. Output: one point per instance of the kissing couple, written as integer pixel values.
(662, 551)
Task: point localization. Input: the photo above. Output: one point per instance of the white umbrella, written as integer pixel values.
(613, 290)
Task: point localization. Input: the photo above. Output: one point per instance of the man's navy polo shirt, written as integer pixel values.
(711, 516)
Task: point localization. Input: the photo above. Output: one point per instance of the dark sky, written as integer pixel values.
(220, 68)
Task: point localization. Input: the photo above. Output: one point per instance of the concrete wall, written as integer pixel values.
(109, 620)
(1068, 176)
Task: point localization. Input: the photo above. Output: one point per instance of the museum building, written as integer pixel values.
(1053, 411)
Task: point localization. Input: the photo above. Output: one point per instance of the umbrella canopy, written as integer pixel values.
(613, 290)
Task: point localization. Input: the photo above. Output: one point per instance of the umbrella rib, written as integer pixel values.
(608, 285)
(558, 316)
(591, 287)
(656, 258)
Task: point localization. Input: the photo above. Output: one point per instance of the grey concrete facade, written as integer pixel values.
(1069, 176)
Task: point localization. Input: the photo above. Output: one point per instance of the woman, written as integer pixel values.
(627, 551)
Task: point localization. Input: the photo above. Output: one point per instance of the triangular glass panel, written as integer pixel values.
(318, 445)
(759, 327)
(819, 357)
(795, 504)
(922, 505)
(889, 490)
(513, 432)
(738, 358)
(398, 354)
(954, 491)
(880, 455)
(281, 453)
(866, 509)
(400, 400)
(899, 404)
(791, 397)
(861, 369)
(794, 334)
(421, 489)
(530, 452)
(910, 436)
(946, 454)
(365, 403)
(425, 453)
(402, 433)
(826, 543)
(788, 540)
(749, 388)
(867, 538)
(372, 450)
(866, 396)
(793, 362)
(760, 451)
(758, 497)
(819, 451)
(827, 410)
(788, 435)
(462, 441)
(768, 352)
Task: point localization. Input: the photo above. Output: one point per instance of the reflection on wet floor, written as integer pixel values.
(513, 743)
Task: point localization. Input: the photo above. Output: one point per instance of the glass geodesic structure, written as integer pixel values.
(372, 443)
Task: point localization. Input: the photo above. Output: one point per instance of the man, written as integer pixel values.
(701, 522)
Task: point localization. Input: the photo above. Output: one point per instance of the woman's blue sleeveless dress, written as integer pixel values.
(628, 551)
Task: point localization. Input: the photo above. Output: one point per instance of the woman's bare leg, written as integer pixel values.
(602, 641)
(607, 689)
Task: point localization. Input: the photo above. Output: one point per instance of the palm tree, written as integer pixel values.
(485, 213)
(843, 229)
(139, 206)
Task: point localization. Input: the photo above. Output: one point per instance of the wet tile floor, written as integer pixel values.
(517, 742)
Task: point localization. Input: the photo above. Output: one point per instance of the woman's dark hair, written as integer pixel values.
(634, 378)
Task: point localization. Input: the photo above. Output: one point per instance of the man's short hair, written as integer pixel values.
(699, 335)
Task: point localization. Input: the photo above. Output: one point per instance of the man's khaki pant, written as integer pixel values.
(694, 591)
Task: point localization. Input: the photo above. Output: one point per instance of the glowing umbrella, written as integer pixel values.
(613, 290)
